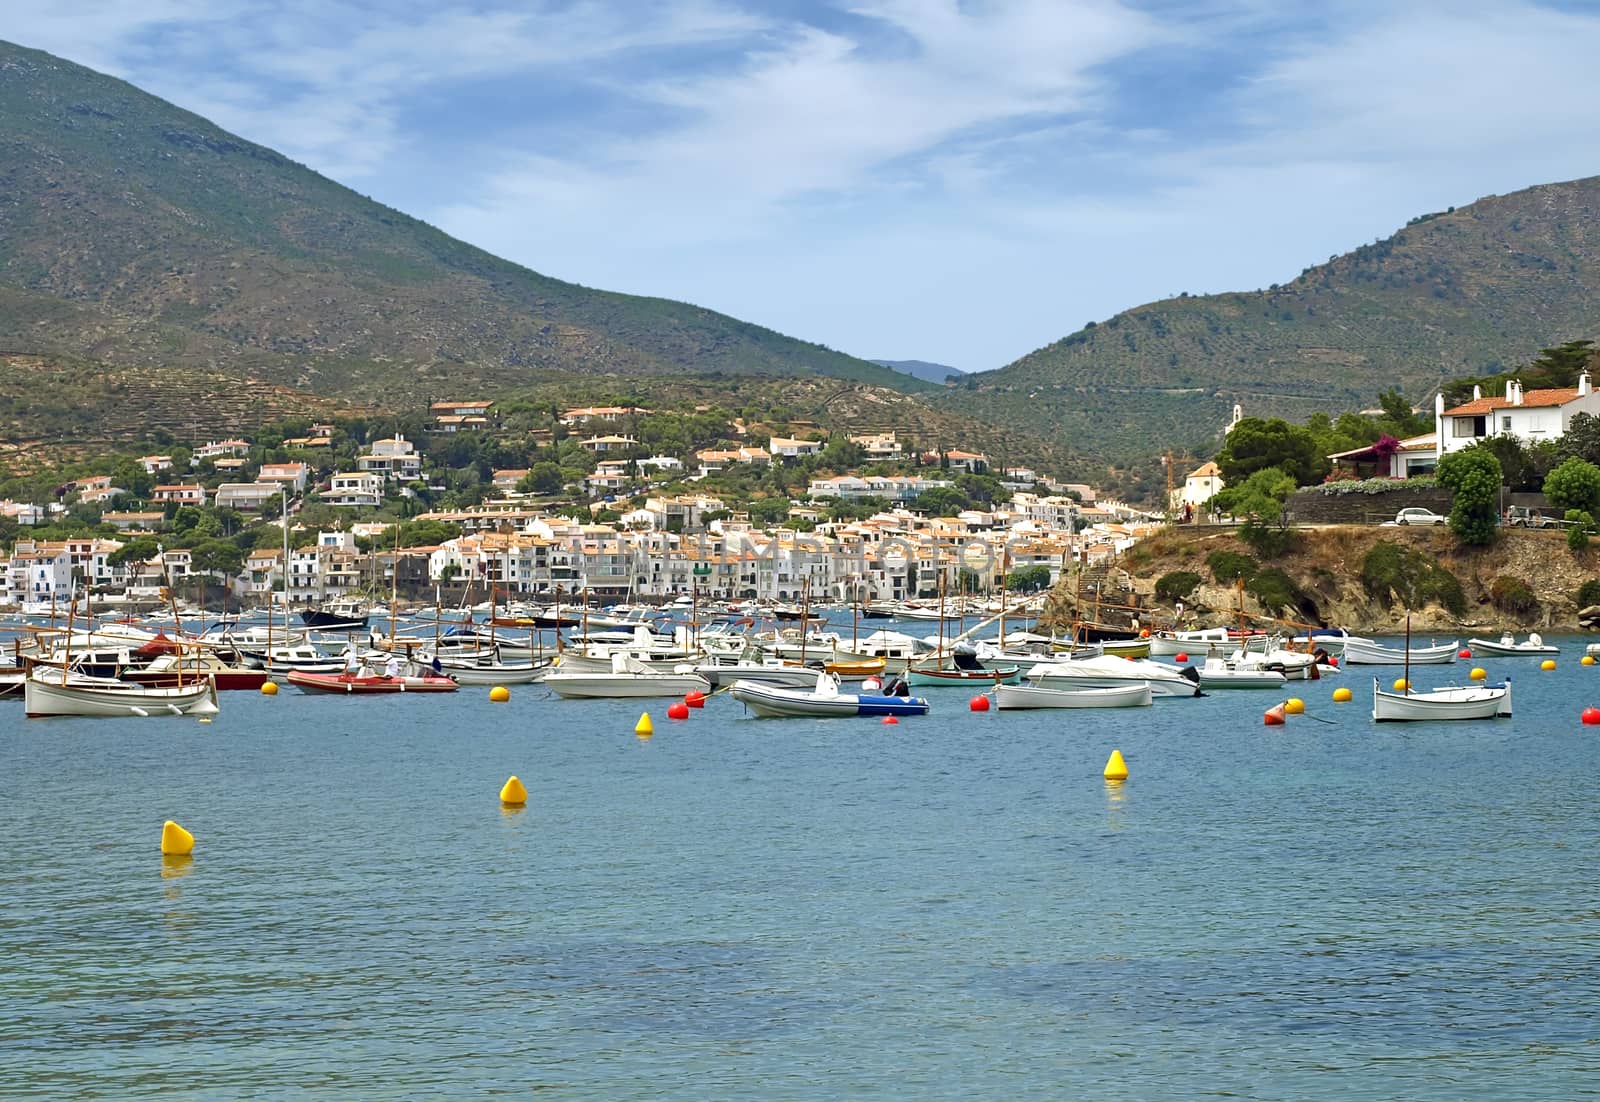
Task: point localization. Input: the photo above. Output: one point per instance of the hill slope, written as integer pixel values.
(134, 233)
(921, 369)
(1469, 291)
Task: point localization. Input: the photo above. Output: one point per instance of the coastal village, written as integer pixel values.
(634, 526)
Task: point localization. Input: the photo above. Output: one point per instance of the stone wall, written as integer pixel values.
(1311, 507)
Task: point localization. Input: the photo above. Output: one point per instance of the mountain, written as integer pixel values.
(1467, 291)
(134, 234)
(921, 369)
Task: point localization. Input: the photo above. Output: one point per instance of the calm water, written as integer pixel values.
(955, 907)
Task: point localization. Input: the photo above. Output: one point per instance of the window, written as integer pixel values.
(1505, 423)
(1467, 426)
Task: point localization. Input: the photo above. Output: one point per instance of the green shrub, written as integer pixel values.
(1577, 539)
(1176, 585)
(1588, 593)
(1275, 590)
(1511, 594)
(1390, 572)
(1268, 541)
(1228, 567)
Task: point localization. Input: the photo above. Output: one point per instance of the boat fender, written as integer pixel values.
(137, 710)
(174, 709)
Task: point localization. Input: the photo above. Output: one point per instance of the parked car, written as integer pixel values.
(1417, 515)
(1520, 516)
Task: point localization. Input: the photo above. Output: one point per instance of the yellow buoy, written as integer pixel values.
(1401, 684)
(499, 694)
(1586, 660)
(1341, 695)
(269, 688)
(1294, 705)
(175, 841)
(644, 728)
(1116, 768)
(1548, 664)
(514, 793)
(1478, 673)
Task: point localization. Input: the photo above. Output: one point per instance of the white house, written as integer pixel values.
(787, 448)
(395, 458)
(1199, 487)
(1531, 416)
(360, 490)
(294, 474)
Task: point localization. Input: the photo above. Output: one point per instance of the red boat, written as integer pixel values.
(163, 671)
(372, 683)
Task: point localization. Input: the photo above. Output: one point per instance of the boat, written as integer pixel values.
(488, 669)
(1169, 644)
(350, 683)
(166, 670)
(345, 614)
(50, 693)
(1447, 702)
(1508, 647)
(302, 658)
(1105, 671)
(1328, 640)
(955, 675)
(1219, 673)
(1367, 653)
(627, 678)
(1013, 697)
(823, 699)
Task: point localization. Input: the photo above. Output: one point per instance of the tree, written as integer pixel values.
(1029, 579)
(216, 557)
(1574, 485)
(942, 501)
(142, 549)
(1473, 475)
(1260, 496)
(542, 478)
(1582, 438)
(1256, 444)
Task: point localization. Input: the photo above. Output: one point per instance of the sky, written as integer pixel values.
(960, 181)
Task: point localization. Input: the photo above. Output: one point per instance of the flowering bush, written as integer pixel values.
(1416, 483)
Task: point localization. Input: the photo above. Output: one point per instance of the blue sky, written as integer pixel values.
(910, 179)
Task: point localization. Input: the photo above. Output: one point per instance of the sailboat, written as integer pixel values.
(1445, 702)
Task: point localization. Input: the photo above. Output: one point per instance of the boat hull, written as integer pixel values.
(44, 699)
(1451, 703)
(1495, 649)
(773, 702)
(519, 674)
(353, 685)
(928, 679)
(1014, 697)
(1366, 653)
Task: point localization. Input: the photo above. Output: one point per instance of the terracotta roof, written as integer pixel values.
(1558, 397)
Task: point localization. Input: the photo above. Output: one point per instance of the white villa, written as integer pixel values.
(1531, 415)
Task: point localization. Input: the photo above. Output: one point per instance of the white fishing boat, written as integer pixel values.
(301, 656)
(823, 699)
(1219, 673)
(1012, 697)
(47, 693)
(1508, 647)
(627, 678)
(1367, 653)
(751, 666)
(1448, 702)
(1330, 641)
(1105, 671)
(1168, 644)
(489, 670)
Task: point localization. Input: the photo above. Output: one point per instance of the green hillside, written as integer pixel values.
(1465, 292)
(136, 234)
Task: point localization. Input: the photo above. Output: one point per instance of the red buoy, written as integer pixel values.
(1277, 715)
(1181, 657)
(889, 721)
(980, 703)
(677, 710)
(1591, 715)
(1463, 653)
(695, 698)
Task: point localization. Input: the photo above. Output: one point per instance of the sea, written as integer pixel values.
(956, 906)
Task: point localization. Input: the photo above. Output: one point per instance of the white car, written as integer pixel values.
(1418, 516)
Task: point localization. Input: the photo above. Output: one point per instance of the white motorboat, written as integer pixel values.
(1107, 671)
(1330, 641)
(750, 666)
(1167, 644)
(48, 693)
(627, 678)
(822, 699)
(1508, 647)
(1012, 697)
(1367, 653)
(1219, 673)
(301, 656)
(1449, 702)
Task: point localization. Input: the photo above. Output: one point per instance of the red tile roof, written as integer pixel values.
(1558, 397)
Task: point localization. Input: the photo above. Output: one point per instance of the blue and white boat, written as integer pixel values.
(824, 699)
